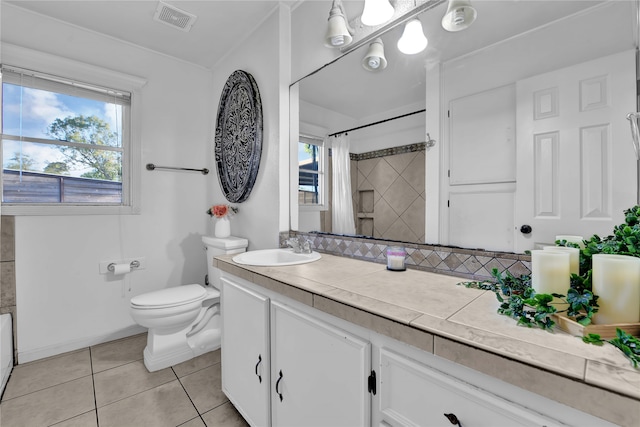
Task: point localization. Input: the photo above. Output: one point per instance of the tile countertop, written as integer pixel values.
(430, 311)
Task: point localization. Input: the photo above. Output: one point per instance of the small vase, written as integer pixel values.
(223, 227)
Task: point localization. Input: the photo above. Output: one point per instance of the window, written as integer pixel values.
(311, 173)
(63, 141)
(69, 136)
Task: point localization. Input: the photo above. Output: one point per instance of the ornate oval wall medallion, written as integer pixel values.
(238, 139)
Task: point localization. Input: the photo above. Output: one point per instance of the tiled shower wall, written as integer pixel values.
(8, 274)
(389, 193)
(463, 263)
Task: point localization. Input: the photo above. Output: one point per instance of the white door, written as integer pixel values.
(576, 168)
(245, 351)
(319, 372)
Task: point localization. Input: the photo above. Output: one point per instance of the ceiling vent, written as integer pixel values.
(174, 17)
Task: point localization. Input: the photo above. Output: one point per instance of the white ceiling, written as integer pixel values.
(220, 25)
(346, 88)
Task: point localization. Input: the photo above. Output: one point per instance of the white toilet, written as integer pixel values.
(184, 321)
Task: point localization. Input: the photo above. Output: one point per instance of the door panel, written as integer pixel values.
(483, 145)
(482, 217)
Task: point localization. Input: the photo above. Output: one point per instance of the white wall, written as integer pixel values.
(63, 302)
(264, 55)
(308, 28)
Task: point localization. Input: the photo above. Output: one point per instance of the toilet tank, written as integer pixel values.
(216, 246)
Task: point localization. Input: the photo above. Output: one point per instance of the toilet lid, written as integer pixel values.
(170, 297)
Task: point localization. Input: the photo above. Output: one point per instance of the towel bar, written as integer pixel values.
(151, 166)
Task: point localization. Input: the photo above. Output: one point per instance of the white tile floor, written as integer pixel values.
(108, 385)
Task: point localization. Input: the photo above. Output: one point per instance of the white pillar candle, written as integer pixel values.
(572, 239)
(574, 256)
(550, 272)
(616, 280)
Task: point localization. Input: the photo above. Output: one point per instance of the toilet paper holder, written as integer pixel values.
(133, 264)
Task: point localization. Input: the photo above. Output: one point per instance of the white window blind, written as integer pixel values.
(51, 83)
(64, 142)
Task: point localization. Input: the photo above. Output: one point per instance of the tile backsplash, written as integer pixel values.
(465, 263)
(8, 274)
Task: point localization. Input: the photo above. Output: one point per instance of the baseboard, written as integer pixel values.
(54, 350)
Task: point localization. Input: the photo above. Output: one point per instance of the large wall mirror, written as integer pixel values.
(527, 113)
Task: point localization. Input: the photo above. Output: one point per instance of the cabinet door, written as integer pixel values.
(245, 351)
(413, 394)
(319, 372)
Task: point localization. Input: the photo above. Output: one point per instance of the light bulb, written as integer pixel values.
(376, 12)
(413, 40)
(458, 16)
(374, 62)
(337, 40)
(337, 31)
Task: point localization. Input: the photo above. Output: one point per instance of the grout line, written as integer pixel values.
(93, 381)
(189, 397)
(64, 382)
(135, 394)
(45, 388)
(92, 373)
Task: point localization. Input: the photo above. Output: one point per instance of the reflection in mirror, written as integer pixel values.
(529, 123)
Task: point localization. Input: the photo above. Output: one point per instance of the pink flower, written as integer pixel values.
(220, 211)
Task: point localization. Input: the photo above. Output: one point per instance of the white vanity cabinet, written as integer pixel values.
(287, 364)
(318, 373)
(415, 394)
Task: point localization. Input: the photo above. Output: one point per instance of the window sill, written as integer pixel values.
(58, 210)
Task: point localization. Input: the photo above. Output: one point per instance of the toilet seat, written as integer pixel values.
(170, 297)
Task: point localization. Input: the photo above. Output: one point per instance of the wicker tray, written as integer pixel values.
(605, 331)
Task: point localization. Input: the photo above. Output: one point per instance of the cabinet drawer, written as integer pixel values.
(413, 394)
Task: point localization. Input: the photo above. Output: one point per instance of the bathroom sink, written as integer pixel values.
(274, 257)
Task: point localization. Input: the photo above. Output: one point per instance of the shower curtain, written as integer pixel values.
(342, 205)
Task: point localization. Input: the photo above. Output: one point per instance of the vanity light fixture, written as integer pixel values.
(376, 12)
(460, 15)
(374, 60)
(413, 40)
(338, 32)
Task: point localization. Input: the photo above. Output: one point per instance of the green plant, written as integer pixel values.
(520, 301)
(625, 240)
(583, 303)
(627, 343)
